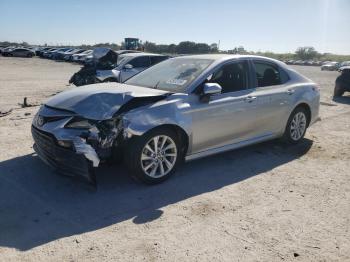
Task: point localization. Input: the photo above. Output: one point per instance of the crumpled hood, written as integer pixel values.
(99, 101)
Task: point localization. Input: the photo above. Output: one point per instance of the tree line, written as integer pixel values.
(189, 47)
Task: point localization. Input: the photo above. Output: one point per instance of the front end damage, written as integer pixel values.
(76, 151)
(75, 145)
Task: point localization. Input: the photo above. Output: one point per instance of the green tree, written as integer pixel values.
(306, 53)
(186, 47)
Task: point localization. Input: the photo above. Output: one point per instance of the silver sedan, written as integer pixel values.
(183, 108)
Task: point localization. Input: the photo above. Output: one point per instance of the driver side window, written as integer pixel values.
(231, 77)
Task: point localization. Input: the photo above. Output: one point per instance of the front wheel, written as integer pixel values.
(296, 126)
(153, 157)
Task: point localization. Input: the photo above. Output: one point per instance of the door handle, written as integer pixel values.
(250, 99)
(290, 91)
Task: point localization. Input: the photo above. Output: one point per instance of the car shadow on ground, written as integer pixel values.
(37, 207)
(345, 99)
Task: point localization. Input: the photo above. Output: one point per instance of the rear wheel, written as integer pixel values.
(296, 126)
(153, 157)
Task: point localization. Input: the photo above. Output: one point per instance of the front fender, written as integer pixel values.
(166, 112)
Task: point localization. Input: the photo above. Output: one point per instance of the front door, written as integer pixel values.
(228, 117)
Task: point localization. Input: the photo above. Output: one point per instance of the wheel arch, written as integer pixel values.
(307, 108)
(180, 132)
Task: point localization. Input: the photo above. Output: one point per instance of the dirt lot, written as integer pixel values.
(266, 202)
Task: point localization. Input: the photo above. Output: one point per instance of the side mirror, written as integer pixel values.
(210, 89)
(128, 66)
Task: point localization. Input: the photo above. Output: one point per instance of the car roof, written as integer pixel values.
(224, 57)
(139, 54)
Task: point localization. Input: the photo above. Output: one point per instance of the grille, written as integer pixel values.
(64, 160)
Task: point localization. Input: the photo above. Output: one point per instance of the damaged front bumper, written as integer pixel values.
(68, 162)
(76, 151)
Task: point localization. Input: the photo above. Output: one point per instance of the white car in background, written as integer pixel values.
(331, 66)
(129, 65)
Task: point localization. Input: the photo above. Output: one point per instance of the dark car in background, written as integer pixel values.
(342, 83)
(19, 52)
(2, 48)
(47, 53)
(59, 53)
(6, 51)
(41, 50)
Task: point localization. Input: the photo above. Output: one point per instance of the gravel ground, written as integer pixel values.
(267, 202)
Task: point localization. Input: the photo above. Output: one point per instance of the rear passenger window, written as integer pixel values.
(284, 76)
(142, 61)
(268, 74)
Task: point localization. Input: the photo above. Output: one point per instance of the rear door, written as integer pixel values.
(273, 96)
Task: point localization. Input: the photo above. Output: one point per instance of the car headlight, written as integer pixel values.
(79, 124)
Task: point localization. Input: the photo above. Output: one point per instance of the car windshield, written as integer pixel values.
(174, 74)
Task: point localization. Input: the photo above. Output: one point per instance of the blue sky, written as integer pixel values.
(265, 25)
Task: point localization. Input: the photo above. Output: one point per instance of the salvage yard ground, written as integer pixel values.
(268, 202)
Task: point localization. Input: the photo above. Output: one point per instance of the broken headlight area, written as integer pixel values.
(98, 138)
(64, 143)
(79, 123)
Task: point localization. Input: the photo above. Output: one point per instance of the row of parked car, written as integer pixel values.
(64, 54)
(100, 64)
(304, 62)
(325, 65)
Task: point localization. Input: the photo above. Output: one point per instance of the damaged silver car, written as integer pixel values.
(183, 108)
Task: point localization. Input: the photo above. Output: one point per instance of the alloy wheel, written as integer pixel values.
(158, 156)
(298, 126)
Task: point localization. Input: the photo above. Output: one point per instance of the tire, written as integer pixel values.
(338, 91)
(137, 148)
(295, 131)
